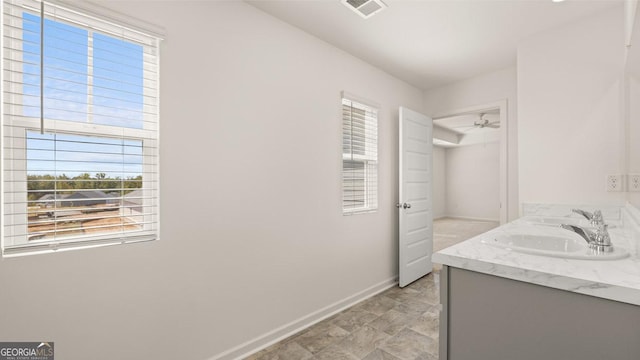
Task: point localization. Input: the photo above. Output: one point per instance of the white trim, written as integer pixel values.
(359, 99)
(629, 20)
(49, 248)
(105, 14)
(265, 340)
(2, 210)
(16, 125)
(501, 105)
(157, 140)
(370, 157)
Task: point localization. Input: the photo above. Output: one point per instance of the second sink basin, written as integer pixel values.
(572, 247)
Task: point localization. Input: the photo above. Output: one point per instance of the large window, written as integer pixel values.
(79, 130)
(359, 157)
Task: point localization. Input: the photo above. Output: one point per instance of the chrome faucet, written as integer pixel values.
(598, 240)
(595, 218)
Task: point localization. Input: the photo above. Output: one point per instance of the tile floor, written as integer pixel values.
(397, 324)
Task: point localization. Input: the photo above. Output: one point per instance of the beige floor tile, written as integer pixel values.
(430, 296)
(414, 308)
(354, 318)
(363, 341)
(335, 352)
(378, 354)
(426, 282)
(320, 336)
(391, 322)
(402, 295)
(408, 344)
(427, 356)
(286, 351)
(427, 324)
(378, 304)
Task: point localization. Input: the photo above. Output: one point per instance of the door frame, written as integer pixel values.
(502, 106)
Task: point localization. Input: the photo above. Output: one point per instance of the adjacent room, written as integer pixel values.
(466, 160)
(322, 179)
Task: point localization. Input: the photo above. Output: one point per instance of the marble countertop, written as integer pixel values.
(617, 280)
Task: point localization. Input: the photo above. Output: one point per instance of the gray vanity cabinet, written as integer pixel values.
(485, 317)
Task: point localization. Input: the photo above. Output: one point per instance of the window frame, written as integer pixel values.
(369, 159)
(13, 166)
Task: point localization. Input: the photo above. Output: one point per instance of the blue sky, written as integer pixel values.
(117, 99)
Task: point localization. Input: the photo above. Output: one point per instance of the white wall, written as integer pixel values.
(632, 100)
(481, 90)
(439, 182)
(569, 112)
(253, 237)
(473, 181)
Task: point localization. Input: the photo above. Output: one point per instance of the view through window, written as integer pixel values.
(359, 157)
(79, 184)
(80, 130)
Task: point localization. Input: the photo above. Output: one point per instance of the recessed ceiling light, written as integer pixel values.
(557, 1)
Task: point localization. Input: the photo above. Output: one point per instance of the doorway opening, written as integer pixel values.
(470, 192)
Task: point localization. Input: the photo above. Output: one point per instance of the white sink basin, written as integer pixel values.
(557, 221)
(572, 247)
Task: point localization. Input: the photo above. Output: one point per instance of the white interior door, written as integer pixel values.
(415, 200)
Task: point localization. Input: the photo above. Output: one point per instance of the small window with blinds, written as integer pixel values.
(359, 157)
(79, 130)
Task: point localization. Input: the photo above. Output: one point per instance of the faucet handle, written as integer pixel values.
(596, 219)
(602, 232)
(586, 214)
(602, 240)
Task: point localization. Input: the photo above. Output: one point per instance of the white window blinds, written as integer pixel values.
(359, 157)
(79, 130)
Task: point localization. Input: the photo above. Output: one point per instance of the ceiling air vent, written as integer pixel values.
(365, 8)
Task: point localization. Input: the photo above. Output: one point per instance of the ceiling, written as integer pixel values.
(466, 130)
(430, 43)
(464, 124)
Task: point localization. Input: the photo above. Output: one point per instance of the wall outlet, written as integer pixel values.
(634, 182)
(614, 183)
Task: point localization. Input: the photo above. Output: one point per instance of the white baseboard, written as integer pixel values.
(263, 341)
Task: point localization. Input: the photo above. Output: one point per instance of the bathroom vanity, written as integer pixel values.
(501, 303)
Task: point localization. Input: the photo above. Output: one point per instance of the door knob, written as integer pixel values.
(398, 205)
(406, 206)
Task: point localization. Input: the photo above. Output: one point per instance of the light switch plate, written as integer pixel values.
(634, 182)
(614, 183)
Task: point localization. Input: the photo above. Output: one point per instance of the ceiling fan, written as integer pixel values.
(484, 122)
(471, 122)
